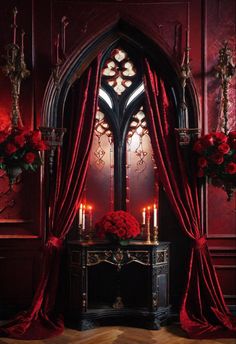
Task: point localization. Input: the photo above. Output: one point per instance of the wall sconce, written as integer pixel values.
(187, 135)
(53, 138)
(225, 70)
(16, 70)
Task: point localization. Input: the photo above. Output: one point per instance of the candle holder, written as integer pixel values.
(155, 235)
(53, 138)
(80, 232)
(187, 135)
(148, 238)
(91, 232)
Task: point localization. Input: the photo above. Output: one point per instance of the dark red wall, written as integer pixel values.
(22, 224)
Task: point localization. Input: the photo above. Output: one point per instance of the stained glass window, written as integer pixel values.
(122, 171)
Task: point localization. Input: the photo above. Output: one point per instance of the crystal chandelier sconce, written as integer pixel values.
(53, 138)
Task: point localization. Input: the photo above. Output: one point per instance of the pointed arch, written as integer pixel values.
(136, 36)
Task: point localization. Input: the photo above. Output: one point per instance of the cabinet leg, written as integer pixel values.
(153, 324)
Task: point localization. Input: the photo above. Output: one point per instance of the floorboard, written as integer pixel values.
(122, 335)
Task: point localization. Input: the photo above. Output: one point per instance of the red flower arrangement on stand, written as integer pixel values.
(217, 159)
(19, 151)
(117, 225)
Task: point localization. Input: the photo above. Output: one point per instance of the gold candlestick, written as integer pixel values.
(80, 232)
(155, 235)
(143, 231)
(148, 230)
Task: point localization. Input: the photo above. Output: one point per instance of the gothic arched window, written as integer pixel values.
(122, 170)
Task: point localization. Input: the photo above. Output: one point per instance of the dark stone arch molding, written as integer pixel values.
(137, 36)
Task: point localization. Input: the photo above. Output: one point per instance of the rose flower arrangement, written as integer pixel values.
(20, 150)
(217, 156)
(119, 225)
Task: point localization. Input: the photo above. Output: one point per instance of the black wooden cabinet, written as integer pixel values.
(110, 284)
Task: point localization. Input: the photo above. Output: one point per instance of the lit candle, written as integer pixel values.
(148, 223)
(22, 42)
(80, 214)
(83, 217)
(144, 215)
(154, 215)
(90, 208)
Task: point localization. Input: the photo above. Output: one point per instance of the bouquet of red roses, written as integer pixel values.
(20, 150)
(217, 155)
(118, 225)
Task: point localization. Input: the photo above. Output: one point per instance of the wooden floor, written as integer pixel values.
(122, 335)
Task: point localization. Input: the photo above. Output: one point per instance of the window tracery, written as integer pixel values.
(101, 128)
(119, 71)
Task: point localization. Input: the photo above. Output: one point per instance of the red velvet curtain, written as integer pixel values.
(204, 313)
(41, 321)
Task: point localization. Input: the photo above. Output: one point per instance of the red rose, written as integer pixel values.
(217, 158)
(40, 146)
(230, 168)
(10, 148)
(202, 162)
(198, 147)
(121, 233)
(118, 223)
(19, 140)
(1, 159)
(29, 157)
(232, 135)
(208, 140)
(220, 137)
(224, 148)
(35, 136)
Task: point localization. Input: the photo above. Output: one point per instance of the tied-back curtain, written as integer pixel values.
(204, 313)
(41, 320)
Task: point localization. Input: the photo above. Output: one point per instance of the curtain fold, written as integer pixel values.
(204, 313)
(41, 320)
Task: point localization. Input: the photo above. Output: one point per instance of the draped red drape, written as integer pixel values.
(40, 321)
(204, 313)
